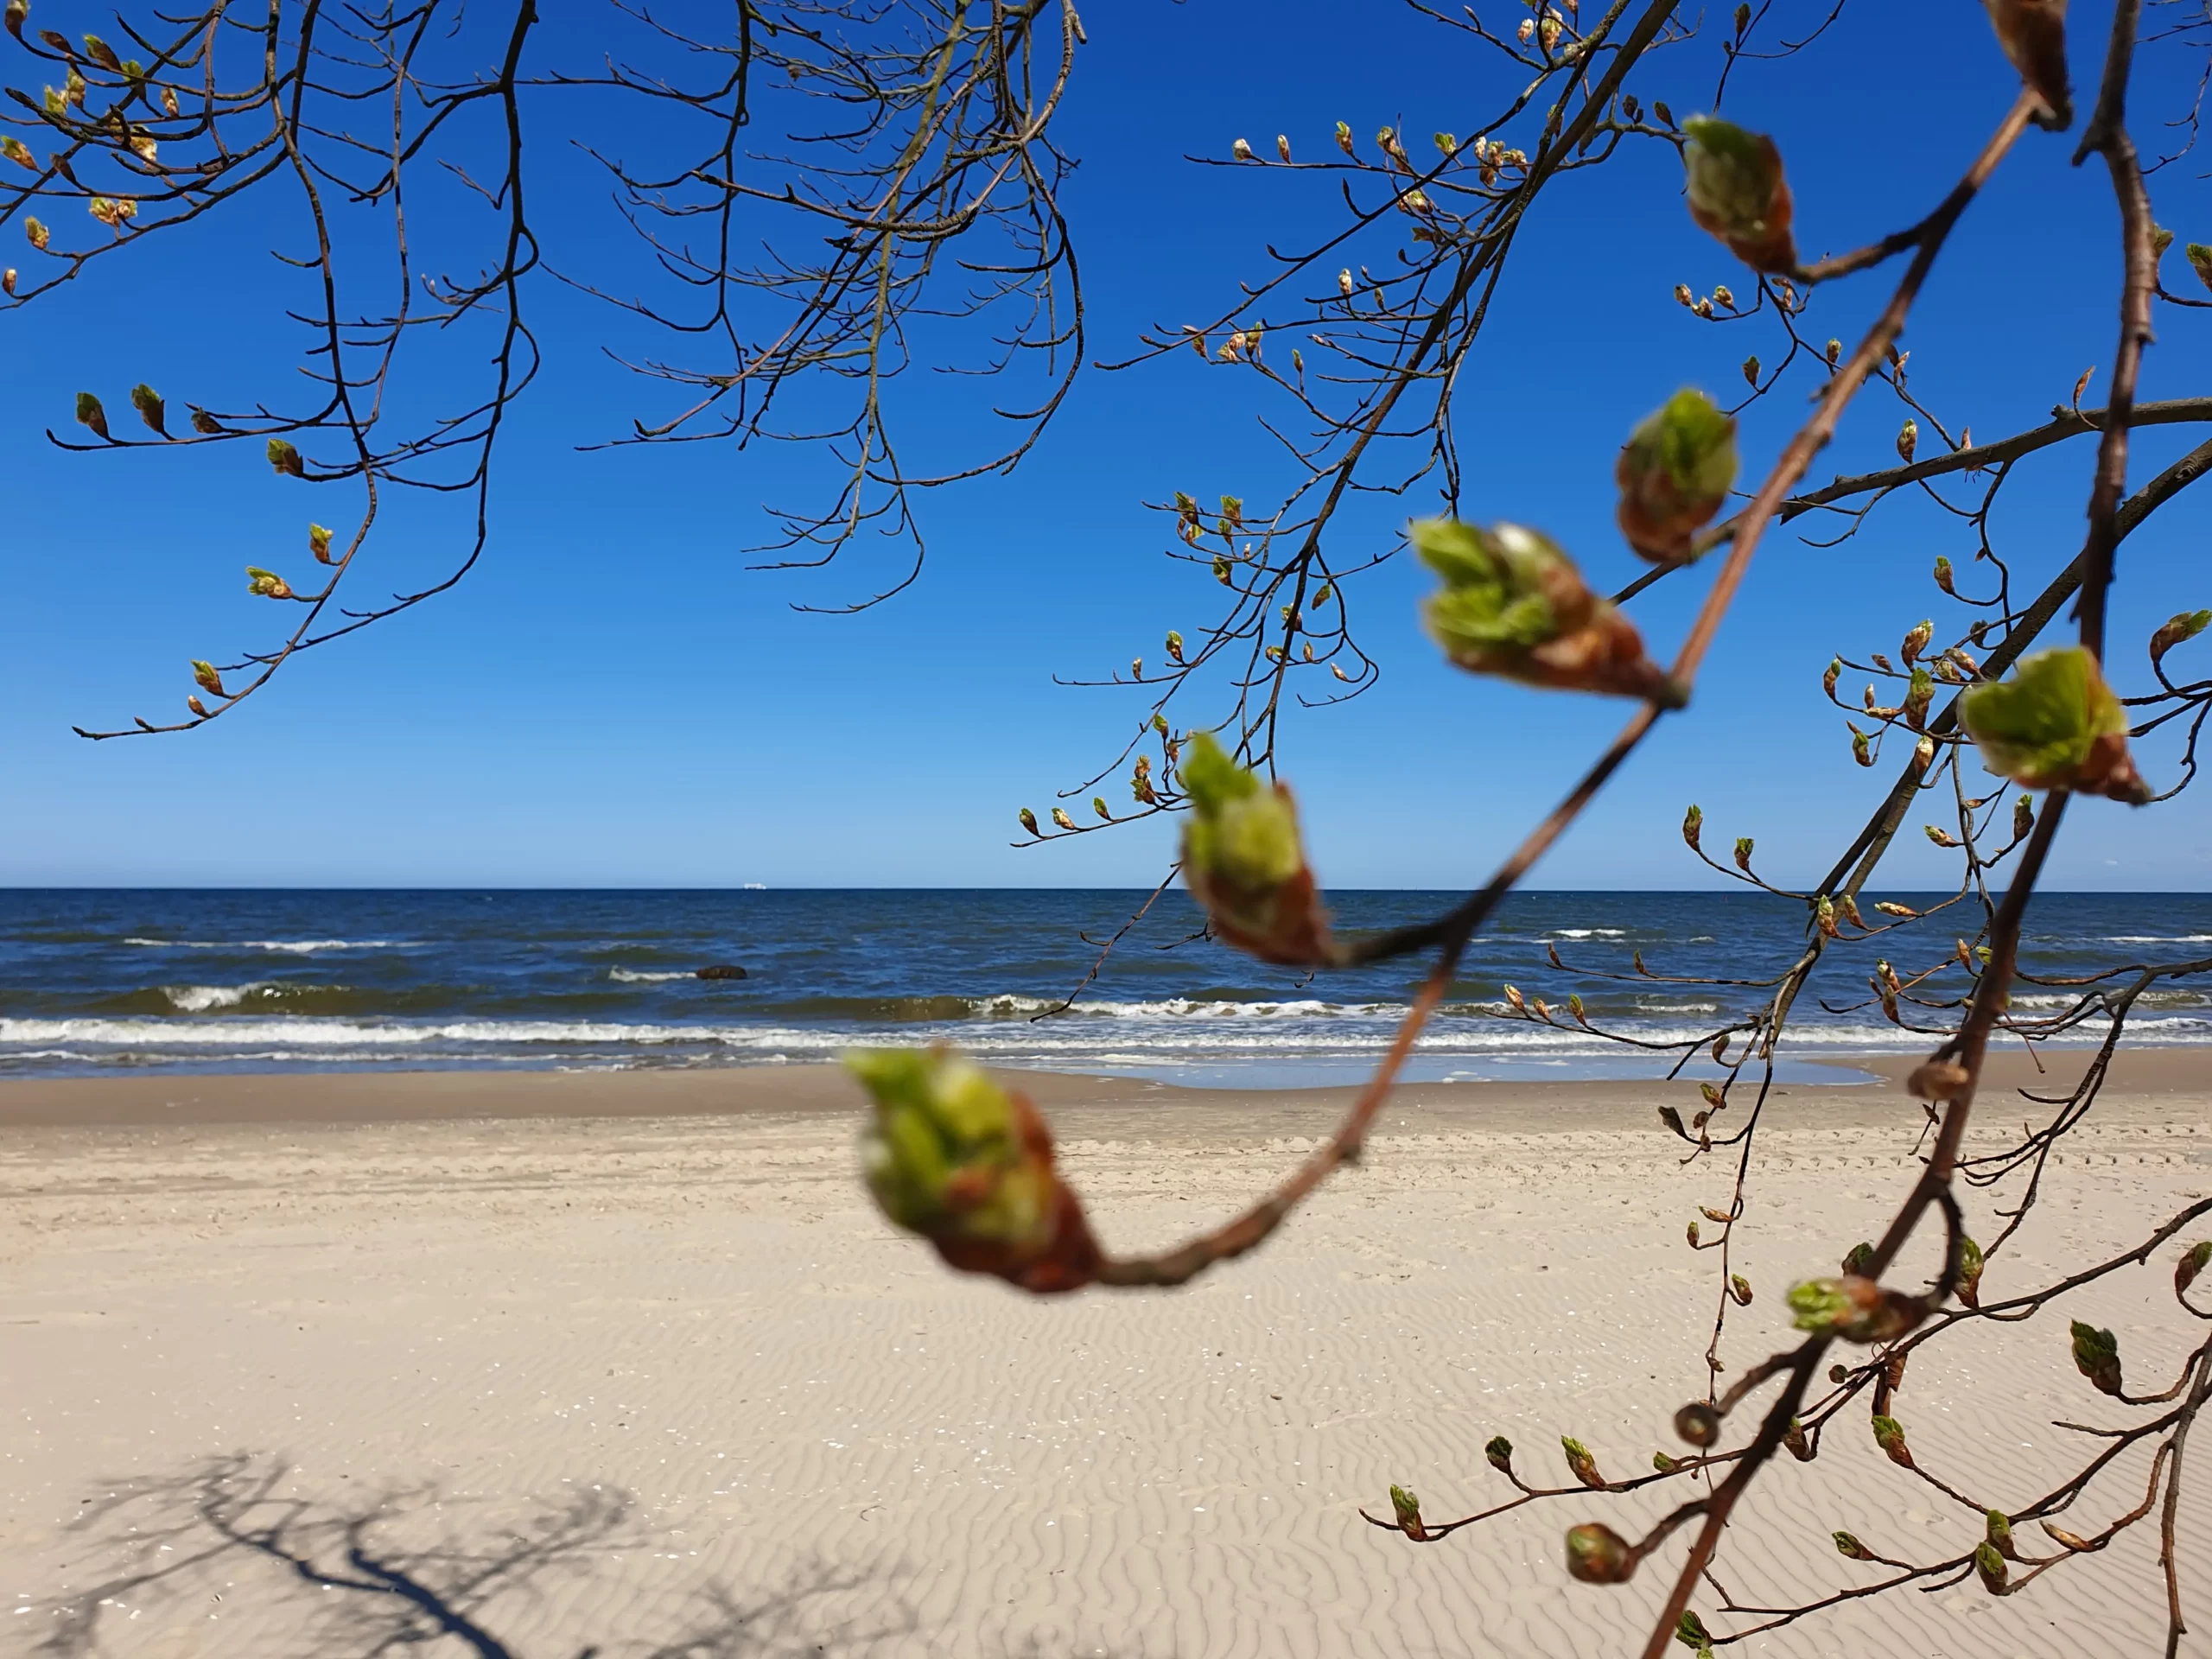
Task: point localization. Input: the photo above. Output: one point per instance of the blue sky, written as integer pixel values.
(613, 699)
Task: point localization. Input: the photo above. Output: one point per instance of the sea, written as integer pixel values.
(103, 982)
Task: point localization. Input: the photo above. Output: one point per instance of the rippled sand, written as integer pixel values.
(663, 1385)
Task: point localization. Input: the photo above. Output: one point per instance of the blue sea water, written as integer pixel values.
(99, 981)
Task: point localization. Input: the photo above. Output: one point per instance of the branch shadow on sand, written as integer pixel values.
(406, 1570)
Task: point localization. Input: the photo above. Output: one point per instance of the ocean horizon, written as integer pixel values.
(97, 980)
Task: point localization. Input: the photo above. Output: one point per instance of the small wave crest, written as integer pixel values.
(283, 947)
(636, 976)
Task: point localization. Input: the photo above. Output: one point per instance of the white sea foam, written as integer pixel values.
(288, 947)
(364, 1040)
(633, 976)
(200, 999)
(2158, 938)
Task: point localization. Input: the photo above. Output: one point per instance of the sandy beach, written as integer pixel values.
(623, 1364)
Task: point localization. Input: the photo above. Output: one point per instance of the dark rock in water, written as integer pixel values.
(722, 970)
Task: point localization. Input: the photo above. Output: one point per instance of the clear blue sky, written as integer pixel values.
(613, 699)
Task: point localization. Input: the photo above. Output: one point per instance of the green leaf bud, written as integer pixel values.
(1597, 1554)
(950, 1154)
(285, 458)
(1244, 861)
(1673, 474)
(37, 232)
(1580, 1463)
(1736, 191)
(2000, 1533)
(1499, 1452)
(1740, 1288)
(1690, 1632)
(1857, 1259)
(1513, 604)
(2055, 724)
(1889, 1434)
(18, 152)
(90, 414)
(267, 584)
(1407, 1508)
(206, 679)
(17, 11)
(2185, 625)
(1855, 1309)
(2096, 1356)
(1970, 1265)
(2200, 261)
(1693, 826)
(151, 410)
(1028, 820)
(1989, 1567)
(1743, 845)
(1847, 1544)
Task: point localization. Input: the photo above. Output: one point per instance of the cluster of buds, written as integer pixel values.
(1736, 191)
(2055, 724)
(2033, 34)
(113, 211)
(968, 1164)
(1513, 604)
(1855, 1309)
(266, 584)
(1675, 474)
(1244, 862)
(1690, 1632)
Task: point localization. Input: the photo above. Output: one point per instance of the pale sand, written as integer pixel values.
(650, 1383)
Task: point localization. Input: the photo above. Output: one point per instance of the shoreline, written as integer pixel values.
(2152, 1077)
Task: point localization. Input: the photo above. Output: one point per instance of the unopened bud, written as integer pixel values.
(1854, 1309)
(2185, 625)
(1698, 1423)
(1847, 1544)
(1499, 1452)
(1736, 191)
(950, 1154)
(1344, 138)
(1970, 1267)
(2096, 1356)
(206, 679)
(1889, 1434)
(91, 414)
(285, 459)
(1028, 820)
(2192, 1262)
(1673, 474)
(1580, 1463)
(1595, 1553)
(1907, 440)
(1407, 1508)
(1989, 1567)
